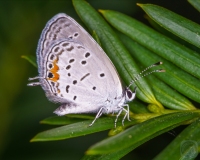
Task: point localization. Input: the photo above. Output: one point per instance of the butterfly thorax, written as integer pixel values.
(113, 105)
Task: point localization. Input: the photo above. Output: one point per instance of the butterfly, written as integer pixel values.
(75, 72)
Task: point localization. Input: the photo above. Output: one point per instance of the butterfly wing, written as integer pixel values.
(75, 68)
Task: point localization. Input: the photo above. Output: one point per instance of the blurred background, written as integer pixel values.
(22, 107)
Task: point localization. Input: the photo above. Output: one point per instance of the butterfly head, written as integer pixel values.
(130, 95)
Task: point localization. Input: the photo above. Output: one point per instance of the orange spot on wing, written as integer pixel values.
(55, 67)
(55, 77)
(54, 71)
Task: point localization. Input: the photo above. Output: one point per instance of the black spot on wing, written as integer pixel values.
(75, 82)
(50, 75)
(71, 60)
(102, 75)
(84, 76)
(68, 67)
(94, 88)
(83, 62)
(87, 55)
(67, 88)
(70, 48)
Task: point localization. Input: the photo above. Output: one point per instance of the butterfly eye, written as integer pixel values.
(129, 95)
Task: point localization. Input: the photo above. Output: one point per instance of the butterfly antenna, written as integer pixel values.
(143, 74)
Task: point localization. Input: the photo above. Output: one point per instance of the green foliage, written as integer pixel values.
(130, 45)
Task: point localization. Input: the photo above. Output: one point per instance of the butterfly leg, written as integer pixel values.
(126, 114)
(98, 115)
(34, 78)
(34, 83)
(117, 116)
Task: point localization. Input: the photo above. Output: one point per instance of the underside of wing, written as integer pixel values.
(73, 68)
(75, 74)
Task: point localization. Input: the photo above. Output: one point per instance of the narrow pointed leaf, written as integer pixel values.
(63, 120)
(167, 48)
(79, 129)
(142, 132)
(168, 97)
(184, 146)
(195, 4)
(137, 107)
(31, 59)
(178, 25)
(169, 34)
(110, 156)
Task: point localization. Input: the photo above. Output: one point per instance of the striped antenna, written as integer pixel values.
(143, 74)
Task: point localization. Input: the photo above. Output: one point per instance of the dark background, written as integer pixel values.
(22, 107)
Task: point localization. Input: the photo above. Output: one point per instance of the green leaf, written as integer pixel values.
(114, 48)
(63, 120)
(79, 129)
(95, 36)
(92, 157)
(168, 96)
(184, 146)
(138, 134)
(138, 107)
(31, 59)
(181, 56)
(174, 76)
(110, 156)
(178, 25)
(169, 34)
(195, 4)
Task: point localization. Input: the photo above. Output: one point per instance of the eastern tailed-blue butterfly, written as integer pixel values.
(76, 72)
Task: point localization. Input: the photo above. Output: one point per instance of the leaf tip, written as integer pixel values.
(101, 11)
(139, 4)
(32, 140)
(30, 59)
(90, 152)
